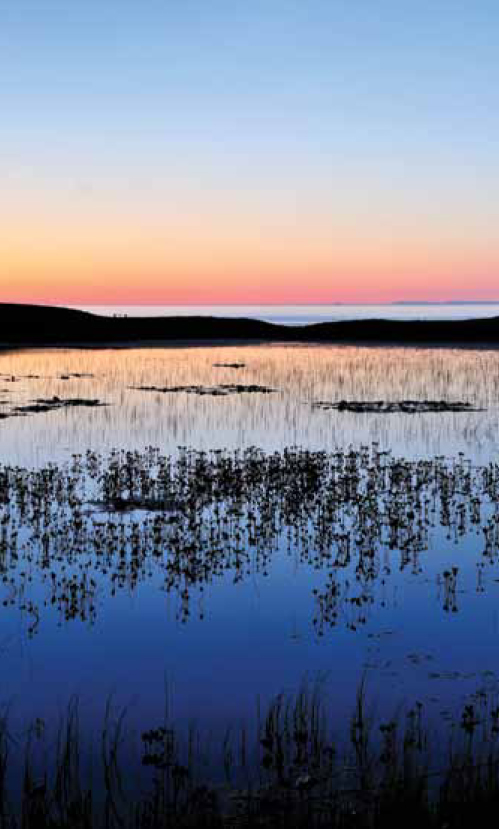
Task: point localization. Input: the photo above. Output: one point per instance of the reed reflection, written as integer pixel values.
(302, 376)
(74, 535)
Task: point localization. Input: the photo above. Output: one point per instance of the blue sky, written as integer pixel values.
(374, 119)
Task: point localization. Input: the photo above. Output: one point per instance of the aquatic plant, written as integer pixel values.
(187, 521)
(385, 774)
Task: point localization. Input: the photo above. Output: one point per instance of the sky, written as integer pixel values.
(248, 151)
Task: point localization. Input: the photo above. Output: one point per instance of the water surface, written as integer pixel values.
(414, 606)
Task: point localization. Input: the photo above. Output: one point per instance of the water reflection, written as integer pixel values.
(73, 536)
(302, 375)
(238, 571)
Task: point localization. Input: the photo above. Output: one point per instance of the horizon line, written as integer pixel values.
(277, 304)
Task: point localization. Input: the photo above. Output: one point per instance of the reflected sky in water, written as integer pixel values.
(421, 636)
(136, 419)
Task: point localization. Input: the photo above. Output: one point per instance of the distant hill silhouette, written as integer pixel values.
(33, 325)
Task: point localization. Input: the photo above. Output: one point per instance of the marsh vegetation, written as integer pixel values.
(286, 768)
(186, 521)
(334, 514)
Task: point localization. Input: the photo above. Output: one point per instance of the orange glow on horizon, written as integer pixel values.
(216, 257)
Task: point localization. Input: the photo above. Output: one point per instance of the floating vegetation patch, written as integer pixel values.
(75, 376)
(54, 403)
(72, 536)
(11, 378)
(215, 391)
(229, 365)
(50, 405)
(395, 407)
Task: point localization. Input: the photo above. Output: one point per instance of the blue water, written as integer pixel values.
(255, 637)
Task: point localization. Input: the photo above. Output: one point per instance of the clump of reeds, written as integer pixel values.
(188, 520)
(286, 770)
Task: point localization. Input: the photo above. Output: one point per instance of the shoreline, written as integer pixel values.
(160, 345)
(31, 326)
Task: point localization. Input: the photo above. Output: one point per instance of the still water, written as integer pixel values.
(263, 539)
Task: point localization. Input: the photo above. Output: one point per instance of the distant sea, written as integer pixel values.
(304, 314)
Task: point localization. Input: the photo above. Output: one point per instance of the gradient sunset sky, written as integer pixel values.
(262, 151)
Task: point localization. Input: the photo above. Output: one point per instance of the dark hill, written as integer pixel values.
(32, 325)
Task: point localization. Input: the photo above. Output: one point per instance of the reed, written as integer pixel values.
(121, 519)
(384, 774)
(355, 518)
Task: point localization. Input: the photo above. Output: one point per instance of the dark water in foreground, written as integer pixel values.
(302, 542)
